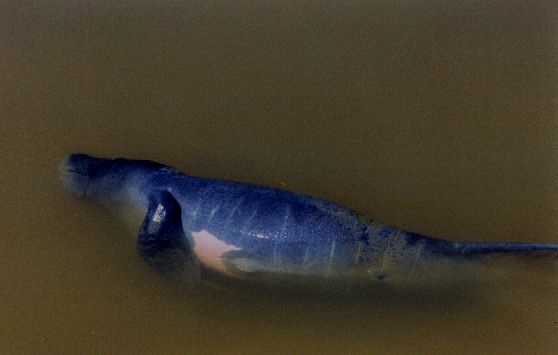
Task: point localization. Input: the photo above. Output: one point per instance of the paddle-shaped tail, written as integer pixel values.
(525, 262)
(478, 250)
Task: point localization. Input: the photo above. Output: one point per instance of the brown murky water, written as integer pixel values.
(440, 117)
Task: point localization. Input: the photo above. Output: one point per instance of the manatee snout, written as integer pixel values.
(78, 170)
(74, 173)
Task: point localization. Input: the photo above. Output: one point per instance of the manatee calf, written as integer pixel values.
(195, 228)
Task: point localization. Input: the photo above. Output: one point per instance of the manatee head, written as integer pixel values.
(118, 185)
(105, 180)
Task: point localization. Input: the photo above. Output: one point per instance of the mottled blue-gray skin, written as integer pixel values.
(193, 227)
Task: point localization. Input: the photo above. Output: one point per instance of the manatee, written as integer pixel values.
(193, 228)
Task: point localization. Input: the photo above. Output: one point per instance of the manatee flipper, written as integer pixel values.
(162, 242)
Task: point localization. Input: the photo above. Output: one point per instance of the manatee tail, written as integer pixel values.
(529, 263)
(473, 250)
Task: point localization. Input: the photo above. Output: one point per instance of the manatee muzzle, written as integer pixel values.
(75, 172)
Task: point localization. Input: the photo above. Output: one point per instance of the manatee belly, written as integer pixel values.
(211, 251)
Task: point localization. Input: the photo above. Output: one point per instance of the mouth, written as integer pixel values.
(76, 164)
(74, 171)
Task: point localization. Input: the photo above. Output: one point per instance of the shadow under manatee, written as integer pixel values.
(297, 314)
(449, 297)
(481, 300)
(453, 289)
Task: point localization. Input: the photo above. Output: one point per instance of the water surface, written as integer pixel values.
(439, 117)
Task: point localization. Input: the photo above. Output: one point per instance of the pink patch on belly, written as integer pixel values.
(210, 250)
